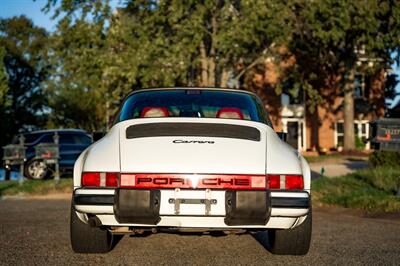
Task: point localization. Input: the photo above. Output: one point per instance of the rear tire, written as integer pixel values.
(294, 241)
(86, 239)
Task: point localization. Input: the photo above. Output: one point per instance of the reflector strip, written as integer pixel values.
(232, 182)
(102, 179)
(127, 180)
(282, 183)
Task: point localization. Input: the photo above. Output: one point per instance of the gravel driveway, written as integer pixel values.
(35, 232)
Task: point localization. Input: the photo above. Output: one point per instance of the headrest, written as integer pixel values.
(154, 112)
(230, 112)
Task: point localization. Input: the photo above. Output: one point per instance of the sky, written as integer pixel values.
(29, 8)
(32, 9)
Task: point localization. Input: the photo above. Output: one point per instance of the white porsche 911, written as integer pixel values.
(191, 159)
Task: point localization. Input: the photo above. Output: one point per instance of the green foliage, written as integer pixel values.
(384, 158)
(3, 81)
(360, 145)
(148, 44)
(22, 69)
(371, 190)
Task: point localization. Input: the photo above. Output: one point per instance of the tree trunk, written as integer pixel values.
(204, 65)
(213, 54)
(224, 77)
(348, 101)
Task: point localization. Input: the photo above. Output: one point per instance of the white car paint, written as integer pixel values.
(116, 153)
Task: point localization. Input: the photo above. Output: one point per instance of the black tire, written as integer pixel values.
(36, 170)
(86, 239)
(294, 241)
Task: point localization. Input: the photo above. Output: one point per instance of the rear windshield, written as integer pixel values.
(193, 103)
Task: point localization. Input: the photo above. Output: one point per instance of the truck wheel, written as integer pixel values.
(86, 239)
(294, 241)
(36, 170)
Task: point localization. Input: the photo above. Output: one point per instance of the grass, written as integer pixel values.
(372, 190)
(35, 187)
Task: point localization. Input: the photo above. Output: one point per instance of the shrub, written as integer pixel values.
(383, 177)
(385, 158)
(360, 145)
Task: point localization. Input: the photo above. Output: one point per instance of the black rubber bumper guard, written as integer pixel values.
(143, 206)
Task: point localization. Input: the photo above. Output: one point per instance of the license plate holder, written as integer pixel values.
(207, 201)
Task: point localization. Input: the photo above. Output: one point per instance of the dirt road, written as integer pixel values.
(35, 232)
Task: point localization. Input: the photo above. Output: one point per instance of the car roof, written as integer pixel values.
(191, 88)
(66, 130)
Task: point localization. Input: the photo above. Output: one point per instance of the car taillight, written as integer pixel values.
(230, 182)
(91, 179)
(290, 182)
(112, 179)
(100, 179)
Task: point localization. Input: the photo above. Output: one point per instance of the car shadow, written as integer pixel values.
(315, 175)
(115, 241)
(262, 238)
(356, 165)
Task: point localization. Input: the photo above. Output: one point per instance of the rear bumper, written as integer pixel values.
(286, 208)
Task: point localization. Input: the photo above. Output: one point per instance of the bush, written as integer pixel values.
(360, 145)
(385, 158)
(383, 177)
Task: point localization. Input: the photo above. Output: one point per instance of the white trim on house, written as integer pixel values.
(301, 139)
(360, 134)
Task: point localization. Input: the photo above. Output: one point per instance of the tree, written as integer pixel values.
(23, 54)
(153, 43)
(327, 41)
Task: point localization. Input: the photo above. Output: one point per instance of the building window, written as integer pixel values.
(361, 88)
(339, 134)
(361, 130)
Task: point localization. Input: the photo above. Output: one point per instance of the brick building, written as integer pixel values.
(322, 129)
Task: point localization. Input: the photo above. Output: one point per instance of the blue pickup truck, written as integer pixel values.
(71, 143)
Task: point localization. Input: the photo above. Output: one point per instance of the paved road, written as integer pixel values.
(35, 232)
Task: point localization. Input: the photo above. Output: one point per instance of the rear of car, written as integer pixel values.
(191, 159)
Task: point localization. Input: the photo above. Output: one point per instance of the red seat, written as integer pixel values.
(154, 112)
(230, 112)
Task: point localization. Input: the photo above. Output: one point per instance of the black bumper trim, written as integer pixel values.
(86, 199)
(276, 202)
(289, 202)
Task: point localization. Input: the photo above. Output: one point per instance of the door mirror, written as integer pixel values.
(282, 135)
(98, 135)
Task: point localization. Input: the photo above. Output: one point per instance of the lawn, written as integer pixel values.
(35, 187)
(372, 190)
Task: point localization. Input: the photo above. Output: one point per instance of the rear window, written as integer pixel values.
(193, 103)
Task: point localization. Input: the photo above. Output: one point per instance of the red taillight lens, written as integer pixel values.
(97, 179)
(91, 179)
(294, 182)
(274, 181)
(112, 179)
(290, 182)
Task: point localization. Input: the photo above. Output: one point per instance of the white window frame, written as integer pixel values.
(358, 124)
(301, 140)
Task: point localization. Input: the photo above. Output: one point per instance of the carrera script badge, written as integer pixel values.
(179, 141)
